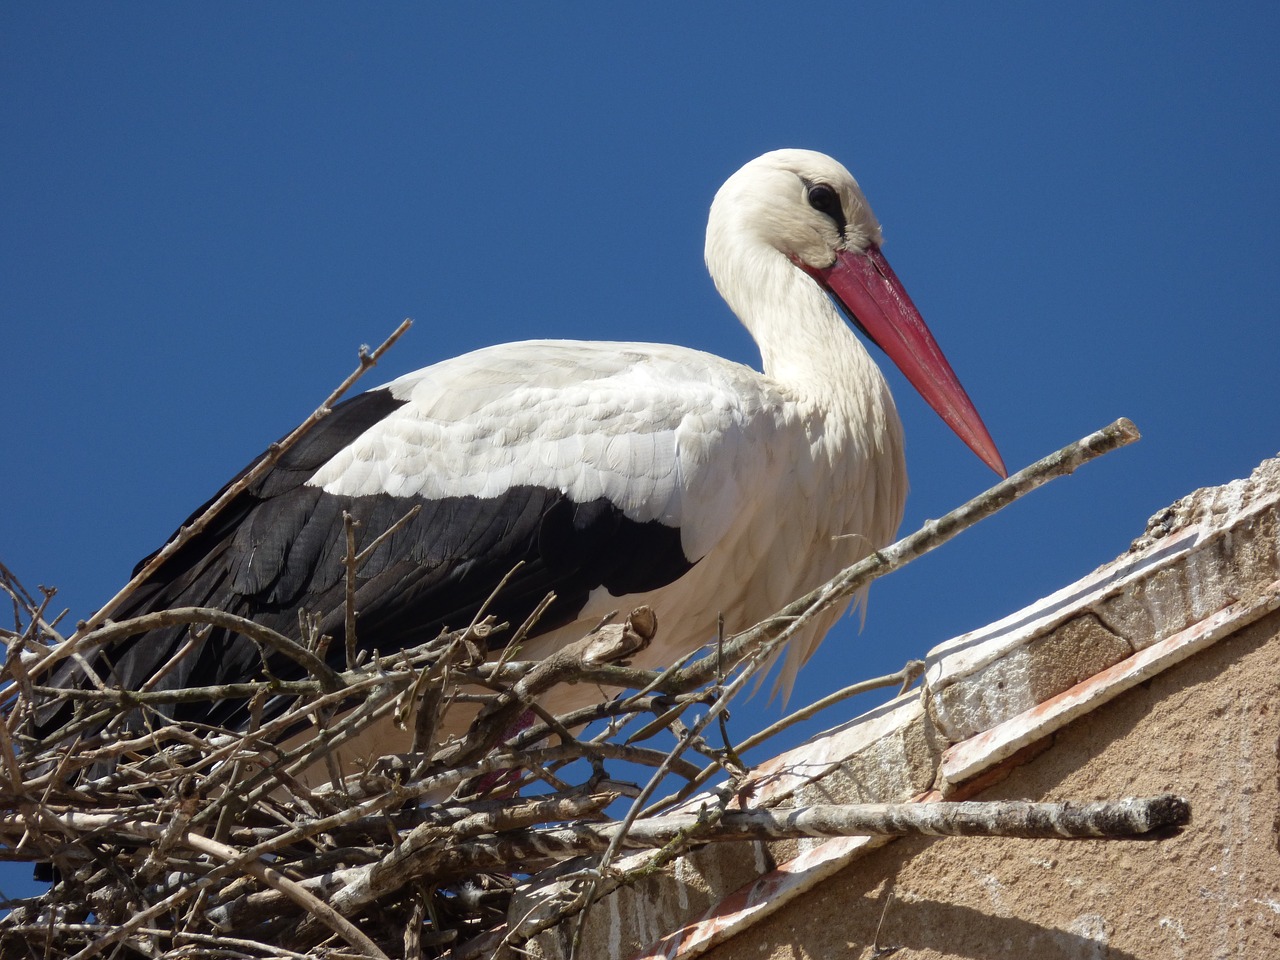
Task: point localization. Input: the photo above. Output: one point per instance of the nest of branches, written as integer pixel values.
(190, 840)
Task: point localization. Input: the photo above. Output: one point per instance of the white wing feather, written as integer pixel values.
(663, 432)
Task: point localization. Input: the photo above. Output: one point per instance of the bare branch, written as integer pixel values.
(932, 535)
(250, 477)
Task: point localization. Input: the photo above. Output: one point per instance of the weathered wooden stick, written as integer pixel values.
(367, 361)
(1128, 819)
(1123, 819)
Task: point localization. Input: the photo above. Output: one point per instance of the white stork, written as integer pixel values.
(620, 473)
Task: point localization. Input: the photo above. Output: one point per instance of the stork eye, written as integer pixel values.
(824, 199)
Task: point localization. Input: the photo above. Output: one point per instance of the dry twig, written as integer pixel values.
(274, 453)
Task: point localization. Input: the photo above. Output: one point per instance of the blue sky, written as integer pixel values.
(206, 209)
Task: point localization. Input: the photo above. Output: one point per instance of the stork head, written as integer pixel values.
(808, 208)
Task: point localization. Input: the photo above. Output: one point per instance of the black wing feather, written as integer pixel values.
(280, 546)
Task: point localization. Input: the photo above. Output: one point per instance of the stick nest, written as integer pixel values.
(180, 839)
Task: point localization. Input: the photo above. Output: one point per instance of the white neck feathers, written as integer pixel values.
(803, 339)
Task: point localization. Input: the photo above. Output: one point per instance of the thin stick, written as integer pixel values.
(353, 562)
(321, 911)
(929, 537)
(418, 850)
(196, 526)
(381, 538)
(232, 859)
(903, 678)
(908, 674)
(326, 675)
(1127, 819)
(349, 605)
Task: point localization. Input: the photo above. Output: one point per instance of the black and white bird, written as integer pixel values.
(620, 473)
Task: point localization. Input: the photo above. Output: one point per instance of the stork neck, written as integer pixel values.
(803, 339)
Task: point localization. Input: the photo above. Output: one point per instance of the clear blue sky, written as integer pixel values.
(207, 208)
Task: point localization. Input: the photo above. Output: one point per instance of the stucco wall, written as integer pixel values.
(1208, 729)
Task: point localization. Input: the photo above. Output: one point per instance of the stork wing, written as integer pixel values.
(591, 465)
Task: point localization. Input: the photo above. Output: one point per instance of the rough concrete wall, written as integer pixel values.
(1208, 729)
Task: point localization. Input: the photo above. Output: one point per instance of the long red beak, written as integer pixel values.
(874, 298)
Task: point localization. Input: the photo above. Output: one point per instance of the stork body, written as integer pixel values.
(620, 473)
